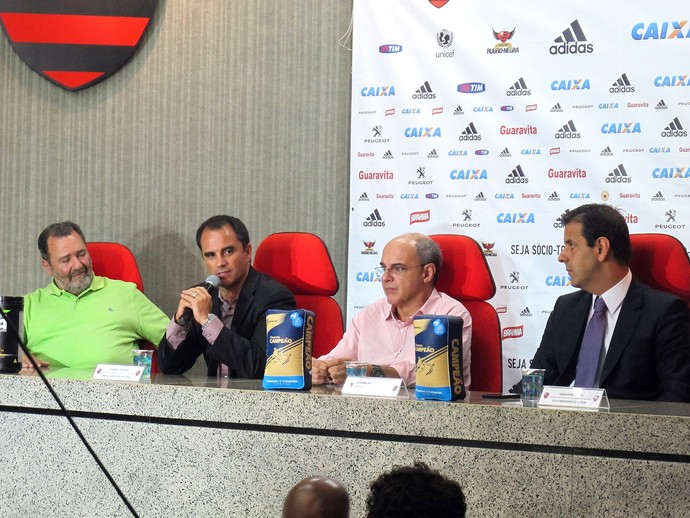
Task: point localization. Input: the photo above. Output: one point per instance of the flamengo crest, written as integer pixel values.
(438, 3)
(75, 43)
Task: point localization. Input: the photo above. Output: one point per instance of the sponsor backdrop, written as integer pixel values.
(483, 119)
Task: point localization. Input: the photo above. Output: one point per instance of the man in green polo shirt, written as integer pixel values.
(80, 319)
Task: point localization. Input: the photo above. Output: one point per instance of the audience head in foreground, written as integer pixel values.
(317, 497)
(415, 492)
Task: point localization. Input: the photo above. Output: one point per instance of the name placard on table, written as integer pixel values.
(110, 372)
(574, 397)
(367, 386)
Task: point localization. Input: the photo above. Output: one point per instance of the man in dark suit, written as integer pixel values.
(645, 352)
(229, 326)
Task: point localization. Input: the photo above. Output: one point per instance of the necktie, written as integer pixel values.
(592, 343)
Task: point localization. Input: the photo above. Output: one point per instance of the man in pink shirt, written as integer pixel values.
(382, 334)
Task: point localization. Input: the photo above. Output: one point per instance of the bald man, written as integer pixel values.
(317, 497)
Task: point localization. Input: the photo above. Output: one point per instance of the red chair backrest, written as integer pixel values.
(116, 261)
(301, 262)
(465, 276)
(662, 262)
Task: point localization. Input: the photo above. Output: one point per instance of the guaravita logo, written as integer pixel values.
(374, 220)
(519, 87)
(674, 129)
(571, 41)
(424, 92)
(517, 175)
(618, 175)
(622, 85)
(568, 131)
(470, 133)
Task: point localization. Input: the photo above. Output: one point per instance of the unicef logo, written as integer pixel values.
(439, 328)
(297, 320)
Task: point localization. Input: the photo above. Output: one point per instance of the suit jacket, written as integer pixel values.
(649, 353)
(243, 345)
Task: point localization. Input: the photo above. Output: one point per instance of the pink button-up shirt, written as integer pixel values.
(377, 336)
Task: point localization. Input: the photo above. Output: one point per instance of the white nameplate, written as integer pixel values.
(574, 397)
(366, 386)
(118, 372)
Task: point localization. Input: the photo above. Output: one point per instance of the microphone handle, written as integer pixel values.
(187, 314)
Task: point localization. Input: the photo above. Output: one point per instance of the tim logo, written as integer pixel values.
(390, 49)
(76, 44)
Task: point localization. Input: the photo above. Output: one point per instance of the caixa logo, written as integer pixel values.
(659, 31)
(558, 280)
(378, 91)
(513, 332)
(367, 277)
(621, 127)
(671, 172)
(468, 174)
(515, 217)
(570, 84)
(422, 132)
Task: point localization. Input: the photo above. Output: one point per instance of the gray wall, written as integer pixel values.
(229, 106)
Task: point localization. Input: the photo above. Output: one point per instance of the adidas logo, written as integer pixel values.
(674, 129)
(424, 92)
(458, 111)
(557, 108)
(658, 197)
(374, 220)
(571, 41)
(554, 196)
(622, 84)
(519, 88)
(517, 175)
(387, 154)
(606, 151)
(526, 312)
(568, 131)
(470, 133)
(661, 105)
(364, 197)
(505, 153)
(480, 197)
(432, 154)
(618, 175)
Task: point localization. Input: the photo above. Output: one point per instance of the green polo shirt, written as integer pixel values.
(100, 325)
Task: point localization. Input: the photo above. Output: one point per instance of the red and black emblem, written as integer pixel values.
(75, 43)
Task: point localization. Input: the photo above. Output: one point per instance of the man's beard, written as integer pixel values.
(76, 286)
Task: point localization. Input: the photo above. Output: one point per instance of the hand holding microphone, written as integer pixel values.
(197, 298)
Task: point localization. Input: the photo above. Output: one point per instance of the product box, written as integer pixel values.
(288, 349)
(438, 354)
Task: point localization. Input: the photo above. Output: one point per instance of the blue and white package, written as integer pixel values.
(438, 353)
(288, 349)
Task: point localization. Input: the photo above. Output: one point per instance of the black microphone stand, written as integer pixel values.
(67, 414)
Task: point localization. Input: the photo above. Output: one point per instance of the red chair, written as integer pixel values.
(465, 276)
(662, 262)
(301, 262)
(116, 261)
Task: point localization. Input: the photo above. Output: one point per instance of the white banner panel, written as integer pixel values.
(491, 119)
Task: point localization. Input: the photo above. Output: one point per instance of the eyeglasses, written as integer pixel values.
(396, 269)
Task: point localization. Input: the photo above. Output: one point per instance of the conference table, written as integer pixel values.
(197, 446)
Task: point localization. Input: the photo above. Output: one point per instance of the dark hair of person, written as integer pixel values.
(218, 222)
(429, 252)
(599, 220)
(62, 229)
(415, 492)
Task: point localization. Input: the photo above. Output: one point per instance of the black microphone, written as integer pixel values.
(211, 283)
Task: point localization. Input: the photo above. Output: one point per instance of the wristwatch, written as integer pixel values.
(211, 318)
(376, 371)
